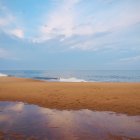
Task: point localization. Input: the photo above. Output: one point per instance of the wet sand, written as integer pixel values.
(117, 97)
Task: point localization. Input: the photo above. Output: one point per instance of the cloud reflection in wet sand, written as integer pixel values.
(22, 120)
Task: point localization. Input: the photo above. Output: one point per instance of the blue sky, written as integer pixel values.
(70, 34)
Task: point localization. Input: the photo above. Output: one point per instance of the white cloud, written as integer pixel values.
(4, 21)
(17, 32)
(130, 59)
(86, 45)
(6, 18)
(9, 23)
(60, 22)
(66, 20)
(70, 18)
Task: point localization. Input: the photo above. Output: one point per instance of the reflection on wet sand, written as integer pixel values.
(23, 121)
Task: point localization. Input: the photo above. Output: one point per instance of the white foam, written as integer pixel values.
(3, 75)
(72, 79)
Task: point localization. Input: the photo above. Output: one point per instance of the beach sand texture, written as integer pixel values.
(117, 97)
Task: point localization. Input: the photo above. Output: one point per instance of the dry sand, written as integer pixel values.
(118, 97)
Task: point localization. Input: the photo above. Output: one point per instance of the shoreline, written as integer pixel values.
(120, 97)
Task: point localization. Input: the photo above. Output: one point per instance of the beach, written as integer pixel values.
(108, 96)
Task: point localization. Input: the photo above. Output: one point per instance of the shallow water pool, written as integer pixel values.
(23, 121)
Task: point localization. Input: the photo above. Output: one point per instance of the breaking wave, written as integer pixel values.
(72, 79)
(60, 79)
(3, 75)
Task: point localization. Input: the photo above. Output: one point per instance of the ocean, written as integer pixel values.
(77, 75)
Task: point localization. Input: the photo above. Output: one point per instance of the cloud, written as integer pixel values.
(17, 32)
(9, 23)
(71, 20)
(5, 16)
(5, 21)
(133, 59)
(59, 22)
(76, 24)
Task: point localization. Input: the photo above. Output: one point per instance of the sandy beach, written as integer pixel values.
(117, 97)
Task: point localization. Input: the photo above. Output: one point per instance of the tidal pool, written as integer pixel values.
(31, 122)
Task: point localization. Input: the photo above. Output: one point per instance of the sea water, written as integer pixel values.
(77, 75)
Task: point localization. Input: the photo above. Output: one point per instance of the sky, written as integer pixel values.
(69, 34)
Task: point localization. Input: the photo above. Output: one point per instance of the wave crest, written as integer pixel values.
(3, 75)
(72, 79)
